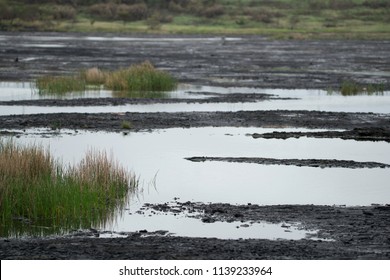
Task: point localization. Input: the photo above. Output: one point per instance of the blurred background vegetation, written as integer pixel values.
(298, 19)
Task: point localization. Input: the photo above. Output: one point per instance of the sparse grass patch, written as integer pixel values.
(59, 85)
(40, 195)
(353, 88)
(349, 87)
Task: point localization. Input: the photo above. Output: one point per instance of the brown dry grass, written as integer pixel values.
(94, 76)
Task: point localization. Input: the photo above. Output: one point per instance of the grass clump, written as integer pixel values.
(39, 195)
(143, 77)
(59, 85)
(126, 125)
(352, 88)
(140, 77)
(93, 76)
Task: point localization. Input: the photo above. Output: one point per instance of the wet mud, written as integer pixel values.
(214, 98)
(342, 233)
(358, 134)
(158, 120)
(253, 61)
(321, 163)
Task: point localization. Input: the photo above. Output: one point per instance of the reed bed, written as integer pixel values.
(39, 194)
(143, 77)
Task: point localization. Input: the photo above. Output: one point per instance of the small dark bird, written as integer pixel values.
(17, 59)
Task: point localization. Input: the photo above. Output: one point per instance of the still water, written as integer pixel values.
(304, 99)
(158, 158)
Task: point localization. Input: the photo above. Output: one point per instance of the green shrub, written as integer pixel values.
(58, 12)
(6, 12)
(213, 11)
(132, 12)
(175, 7)
(106, 11)
(377, 4)
(263, 15)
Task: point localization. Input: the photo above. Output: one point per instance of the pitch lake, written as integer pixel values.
(158, 158)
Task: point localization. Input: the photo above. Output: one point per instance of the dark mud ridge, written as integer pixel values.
(322, 163)
(159, 120)
(343, 232)
(112, 101)
(358, 134)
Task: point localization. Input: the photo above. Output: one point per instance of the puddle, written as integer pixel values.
(179, 225)
(318, 100)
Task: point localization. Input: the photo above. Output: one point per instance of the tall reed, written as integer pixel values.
(38, 192)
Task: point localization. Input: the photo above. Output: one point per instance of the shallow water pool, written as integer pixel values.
(158, 158)
(301, 100)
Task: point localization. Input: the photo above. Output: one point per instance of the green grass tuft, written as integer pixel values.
(38, 195)
(59, 85)
(352, 88)
(140, 77)
(126, 125)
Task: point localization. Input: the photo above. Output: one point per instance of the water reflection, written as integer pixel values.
(319, 100)
(158, 157)
(39, 195)
(163, 152)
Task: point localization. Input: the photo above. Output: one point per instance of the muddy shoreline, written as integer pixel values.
(158, 120)
(343, 233)
(85, 102)
(253, 61)
(321, 163)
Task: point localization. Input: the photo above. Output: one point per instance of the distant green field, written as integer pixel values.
(295, 19)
